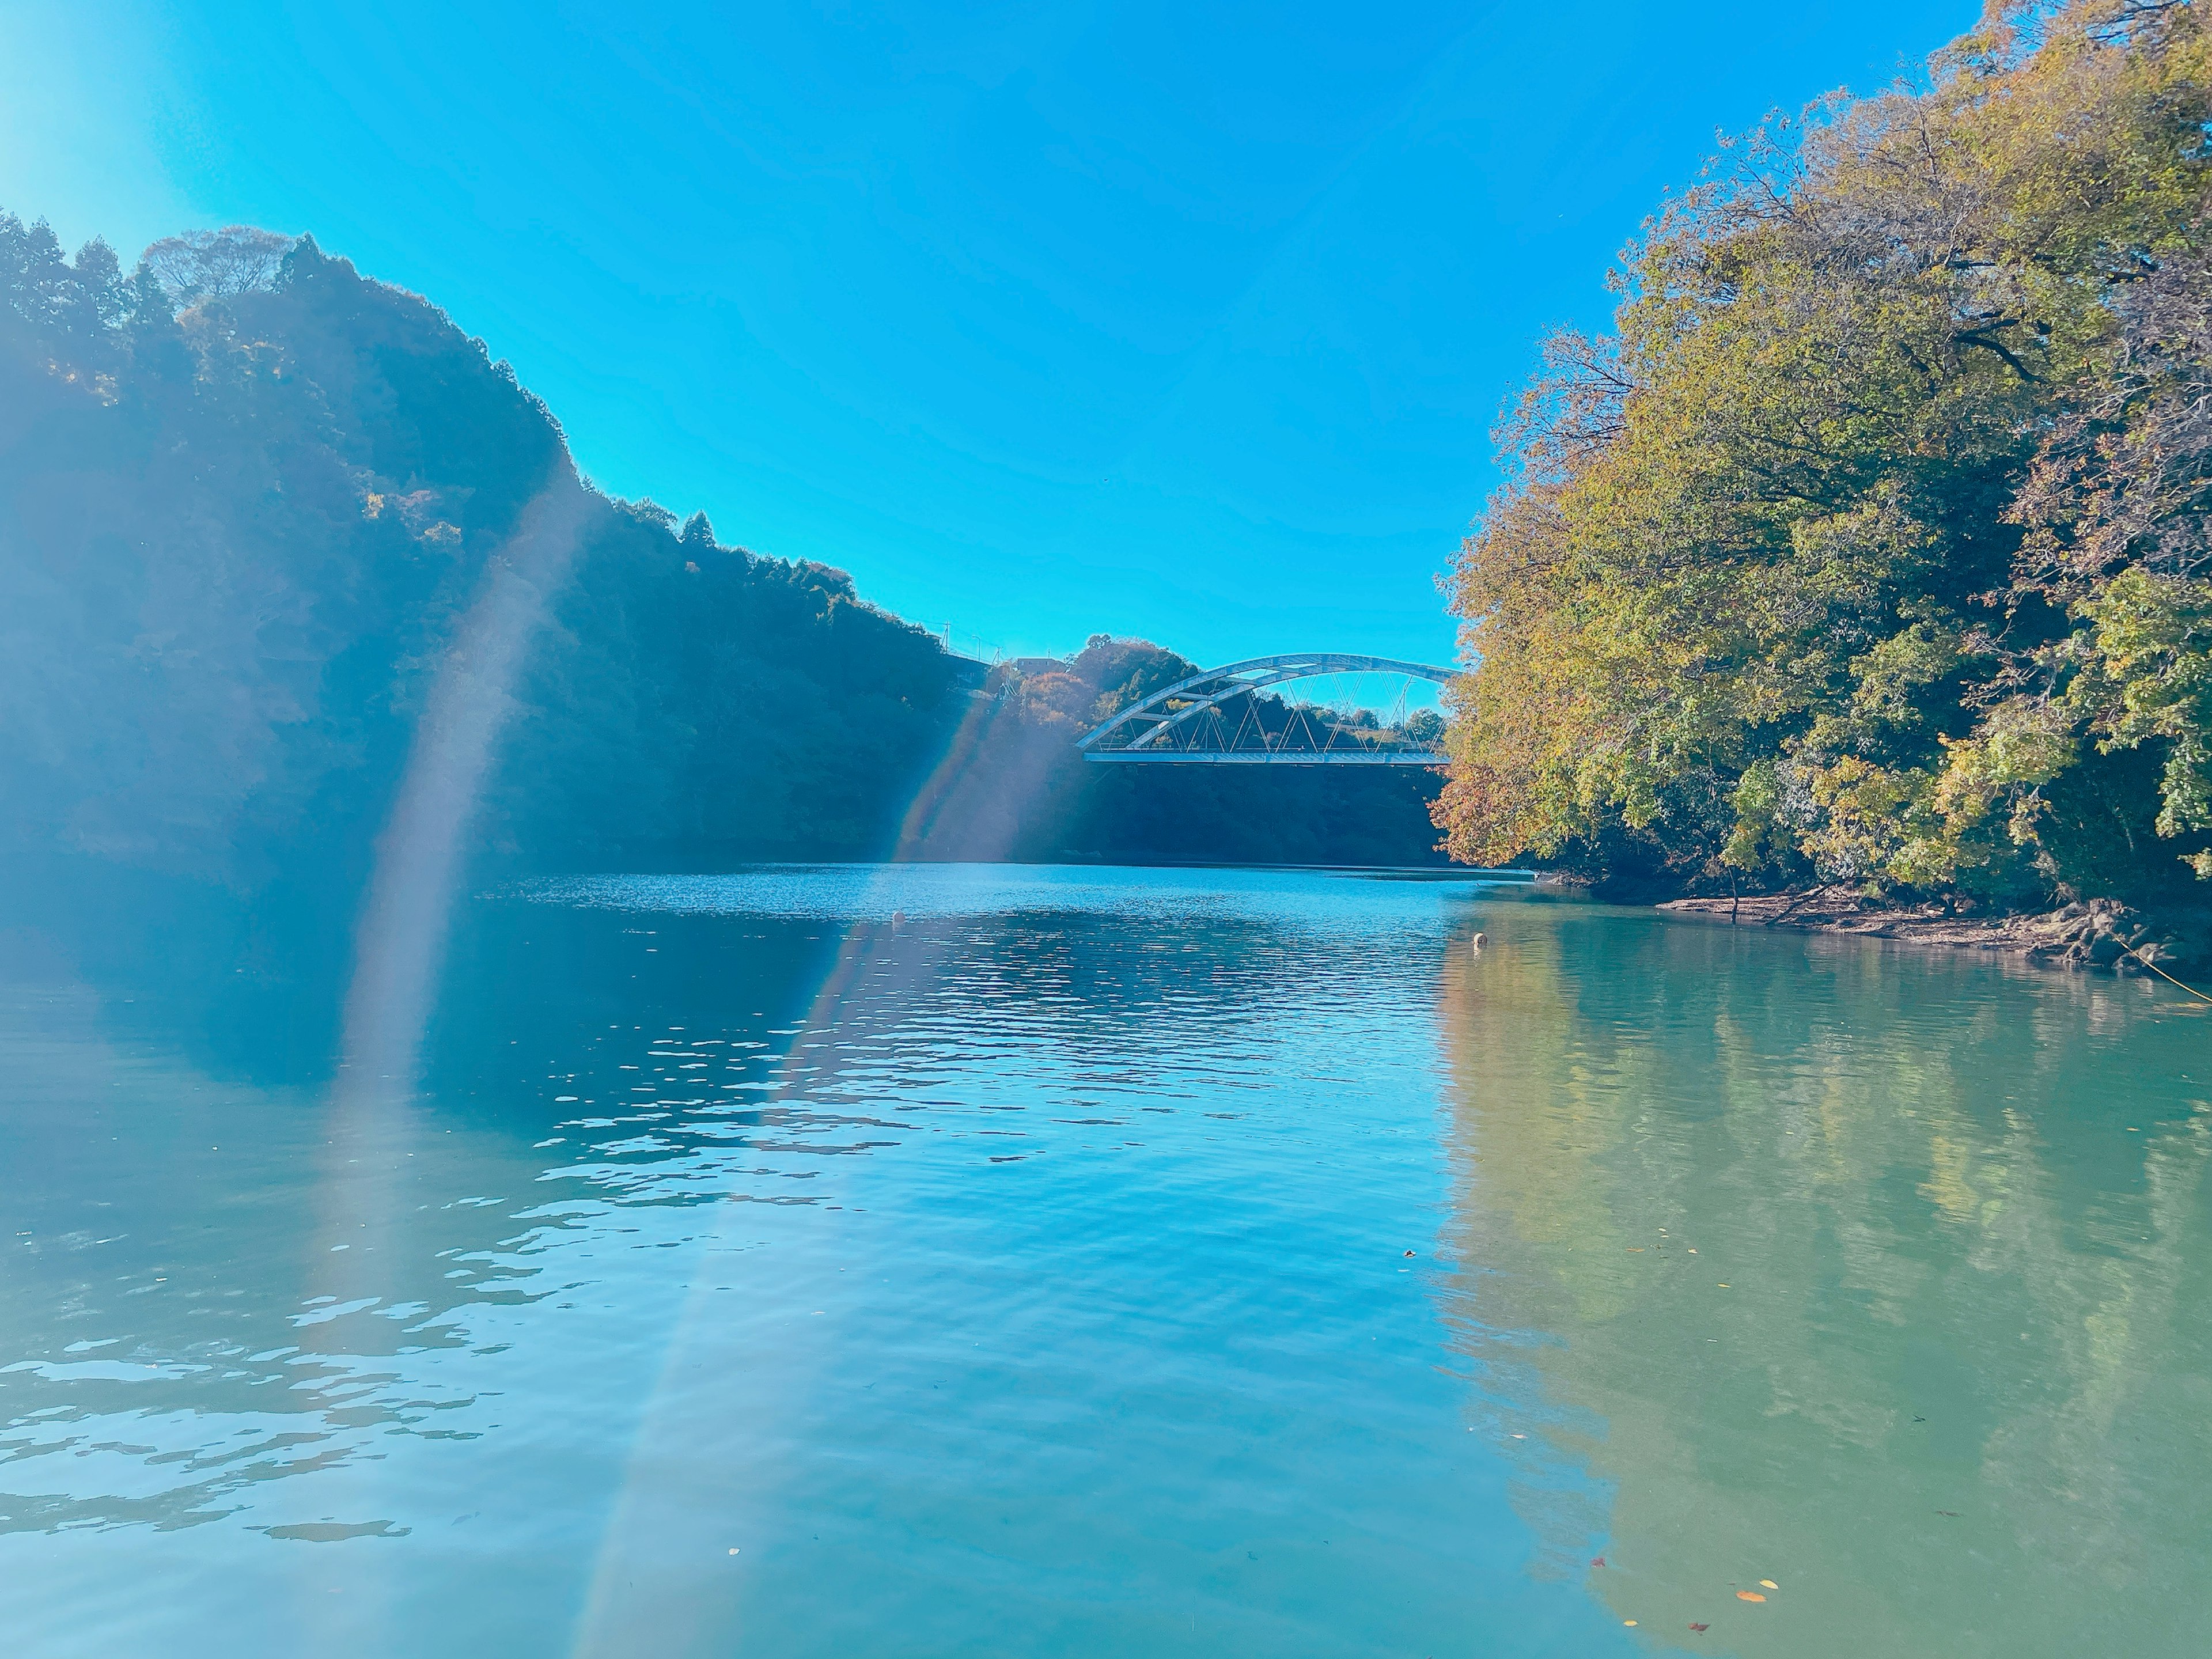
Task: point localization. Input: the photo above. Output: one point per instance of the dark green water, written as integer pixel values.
(965, 1260)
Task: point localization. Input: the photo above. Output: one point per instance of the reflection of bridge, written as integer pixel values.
(1221, 716)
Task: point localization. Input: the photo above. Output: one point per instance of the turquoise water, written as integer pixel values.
(939, 1260)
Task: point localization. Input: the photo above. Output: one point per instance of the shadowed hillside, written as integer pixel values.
(250, 502)
(242, 511)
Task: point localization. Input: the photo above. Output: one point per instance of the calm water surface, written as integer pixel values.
(940, 1260)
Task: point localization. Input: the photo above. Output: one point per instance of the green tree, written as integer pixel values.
(1853, 550)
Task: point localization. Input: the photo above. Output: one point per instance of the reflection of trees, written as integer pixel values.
(179, 1325)
(1955, 1283)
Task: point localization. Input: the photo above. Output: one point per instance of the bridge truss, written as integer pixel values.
(1229, 716)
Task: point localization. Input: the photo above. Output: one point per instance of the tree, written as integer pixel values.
(1809, 567)
(216, 264)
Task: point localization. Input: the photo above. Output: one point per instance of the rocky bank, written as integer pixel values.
(2098, 934)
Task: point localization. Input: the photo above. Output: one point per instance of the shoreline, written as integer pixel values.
(2098, 935)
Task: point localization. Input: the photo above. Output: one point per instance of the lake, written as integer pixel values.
(997, 1261)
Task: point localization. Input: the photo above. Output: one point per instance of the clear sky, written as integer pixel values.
(1184, 320)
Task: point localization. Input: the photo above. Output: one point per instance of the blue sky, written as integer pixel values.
(1181, 321)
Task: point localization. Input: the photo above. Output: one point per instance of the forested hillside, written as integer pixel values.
(1872, 544)
(246, 498)
(243, 501)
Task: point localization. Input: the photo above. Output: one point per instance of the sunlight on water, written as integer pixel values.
(929, 1260)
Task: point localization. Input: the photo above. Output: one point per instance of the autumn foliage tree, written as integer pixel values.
(1871, 545)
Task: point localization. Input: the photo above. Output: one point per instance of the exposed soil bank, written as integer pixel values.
(2100, 934)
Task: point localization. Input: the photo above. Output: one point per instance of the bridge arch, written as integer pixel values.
(1186, 723)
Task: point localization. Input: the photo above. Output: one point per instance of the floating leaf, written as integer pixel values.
(1749, 1595)
(1768, 1583)
(1597, 1560)
(1701, 1627)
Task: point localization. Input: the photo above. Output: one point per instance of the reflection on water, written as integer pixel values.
(935, 1260)
(898, 1261)
(1878, 1275)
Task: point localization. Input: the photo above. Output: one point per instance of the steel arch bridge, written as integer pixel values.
(1219, 717)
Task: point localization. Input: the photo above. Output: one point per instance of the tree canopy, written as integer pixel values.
(1871, 544)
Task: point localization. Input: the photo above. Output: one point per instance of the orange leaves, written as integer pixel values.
(1749, 1595)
